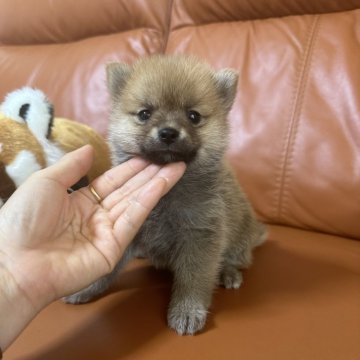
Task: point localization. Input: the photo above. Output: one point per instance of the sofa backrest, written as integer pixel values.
(295, 139)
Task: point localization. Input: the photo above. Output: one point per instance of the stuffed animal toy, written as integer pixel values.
(31, 139)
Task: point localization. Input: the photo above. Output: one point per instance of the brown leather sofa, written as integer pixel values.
(295, 147)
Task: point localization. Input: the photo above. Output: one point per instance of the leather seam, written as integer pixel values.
(167, 33)
(293, 124)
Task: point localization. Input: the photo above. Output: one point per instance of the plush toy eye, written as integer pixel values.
(194, 117)
(144, 115)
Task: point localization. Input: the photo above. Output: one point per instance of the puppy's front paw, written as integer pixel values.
(231, 277)
(187, 318)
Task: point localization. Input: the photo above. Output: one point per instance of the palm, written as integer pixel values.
(67, 240)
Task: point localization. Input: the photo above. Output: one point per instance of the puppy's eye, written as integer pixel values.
(144, 115)
(194, 117)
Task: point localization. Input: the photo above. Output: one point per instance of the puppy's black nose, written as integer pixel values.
(168, 135)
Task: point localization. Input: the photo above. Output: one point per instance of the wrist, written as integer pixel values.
(16, 308)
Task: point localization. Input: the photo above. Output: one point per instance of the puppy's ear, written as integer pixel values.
(226, 83)
(117, 75)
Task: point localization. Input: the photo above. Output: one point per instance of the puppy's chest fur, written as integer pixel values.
(183, 219)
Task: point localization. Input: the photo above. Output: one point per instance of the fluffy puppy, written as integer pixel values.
(174, 108)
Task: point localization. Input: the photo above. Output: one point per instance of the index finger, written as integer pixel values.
(112, 179)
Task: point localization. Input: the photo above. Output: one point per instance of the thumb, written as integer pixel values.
(72, 167)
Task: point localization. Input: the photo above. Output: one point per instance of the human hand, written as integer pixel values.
(53, 244)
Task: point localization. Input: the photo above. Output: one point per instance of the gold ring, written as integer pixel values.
(95, 194)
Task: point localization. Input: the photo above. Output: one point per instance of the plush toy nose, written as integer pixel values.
(168, 135)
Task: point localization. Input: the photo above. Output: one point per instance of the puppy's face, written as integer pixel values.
(168, 109)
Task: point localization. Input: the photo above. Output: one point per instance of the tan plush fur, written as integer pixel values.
(70, 135)
(15, 137)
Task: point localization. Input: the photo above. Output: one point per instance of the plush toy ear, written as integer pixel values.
(226, 83)
(117, 75)
(30, 106)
